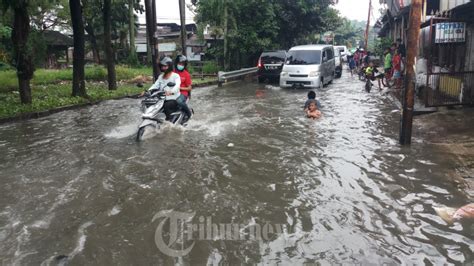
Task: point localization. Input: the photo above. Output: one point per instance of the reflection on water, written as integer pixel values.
(78, 188)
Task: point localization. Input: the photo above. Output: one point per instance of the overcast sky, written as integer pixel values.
(358, 9)
(168, 10)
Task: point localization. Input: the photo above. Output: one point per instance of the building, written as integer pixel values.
(445, 67)
(169, 42)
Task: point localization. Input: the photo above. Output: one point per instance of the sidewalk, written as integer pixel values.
(452, 131)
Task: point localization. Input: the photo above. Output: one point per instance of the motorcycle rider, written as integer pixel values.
(181, 64)
(172, 93)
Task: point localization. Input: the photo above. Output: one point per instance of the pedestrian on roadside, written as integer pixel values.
(387, 62)
(401, 48)
(356, 57)
(352, 64)
(393, 47)
(367, 59)
(397, 69)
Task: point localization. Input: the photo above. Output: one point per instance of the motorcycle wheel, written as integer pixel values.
(141, 131)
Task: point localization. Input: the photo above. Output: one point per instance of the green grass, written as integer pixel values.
(9, 82)
(48, 93)
(55, 96)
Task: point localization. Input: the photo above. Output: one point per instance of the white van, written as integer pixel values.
(308, 66)
(344, 51)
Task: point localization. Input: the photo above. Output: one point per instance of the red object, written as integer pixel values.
(185, 81)
(397, 63)
(260, 63)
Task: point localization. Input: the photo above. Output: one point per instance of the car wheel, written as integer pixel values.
(321, 84)
(261, 79)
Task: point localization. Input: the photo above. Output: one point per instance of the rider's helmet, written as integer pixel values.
(181, 62)
(166, 64)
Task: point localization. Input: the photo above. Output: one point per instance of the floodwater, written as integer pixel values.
(76, 188)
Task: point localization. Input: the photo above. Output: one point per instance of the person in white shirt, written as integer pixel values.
(167, 75)
(172, 93)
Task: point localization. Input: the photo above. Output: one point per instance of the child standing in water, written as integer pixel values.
(312, 98)
(312, 111)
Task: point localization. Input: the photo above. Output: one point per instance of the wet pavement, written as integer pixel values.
(78, 189)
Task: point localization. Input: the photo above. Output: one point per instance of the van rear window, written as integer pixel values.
(273, 58)
(303, 57)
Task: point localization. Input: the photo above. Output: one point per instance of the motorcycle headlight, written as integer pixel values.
(284, 74)
(313, 74)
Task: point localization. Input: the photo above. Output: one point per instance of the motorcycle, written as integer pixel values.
(153, 112)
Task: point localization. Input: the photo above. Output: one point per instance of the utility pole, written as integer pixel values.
(409, 92)
(226, 41)
(150, 12)
(367, 28)
(182, 16)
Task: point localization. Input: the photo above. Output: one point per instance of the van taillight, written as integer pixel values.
(260, 63)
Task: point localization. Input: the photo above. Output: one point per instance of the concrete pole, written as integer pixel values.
(182, 16)
(409, 92)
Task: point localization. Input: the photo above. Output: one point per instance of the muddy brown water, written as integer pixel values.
(76, 188)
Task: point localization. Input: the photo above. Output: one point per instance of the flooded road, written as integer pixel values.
(77, 189)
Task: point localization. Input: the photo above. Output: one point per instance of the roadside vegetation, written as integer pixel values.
(51, 89)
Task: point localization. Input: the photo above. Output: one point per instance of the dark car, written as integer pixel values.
(270, 64)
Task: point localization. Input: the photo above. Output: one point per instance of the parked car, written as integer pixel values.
(338, 63)
(344, 51)
(308, 66)
(270, 64)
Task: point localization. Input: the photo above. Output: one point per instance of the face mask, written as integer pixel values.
(180, 67)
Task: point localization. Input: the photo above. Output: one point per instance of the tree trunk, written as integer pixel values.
(95, 47)
(109, 52)
(184, 34)
(24, 63)
(78, 60)
(131, 27)
(151, 29)
(226, 39)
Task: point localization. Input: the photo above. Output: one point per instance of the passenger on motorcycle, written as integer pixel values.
(181, 64)
(168, 76)
(372, 73)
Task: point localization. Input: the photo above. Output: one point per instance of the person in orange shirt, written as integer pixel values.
(181, 64)
(397, 69)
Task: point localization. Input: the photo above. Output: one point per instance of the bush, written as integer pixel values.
(210, 67)
(4, 66)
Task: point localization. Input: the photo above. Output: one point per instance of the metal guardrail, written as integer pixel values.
(224, 76)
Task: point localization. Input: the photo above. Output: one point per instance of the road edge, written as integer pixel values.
(36, 115)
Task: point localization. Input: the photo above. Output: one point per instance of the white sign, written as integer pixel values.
(167, 47)
(450, 32)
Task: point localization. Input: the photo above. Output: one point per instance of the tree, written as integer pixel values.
(273, 25)
(349, 32)
(121, 12)
(133, 59)
(22, 49)
(109, 52)
(78, 83)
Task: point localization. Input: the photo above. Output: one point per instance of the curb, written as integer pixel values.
(417, 111)
(35, 115)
